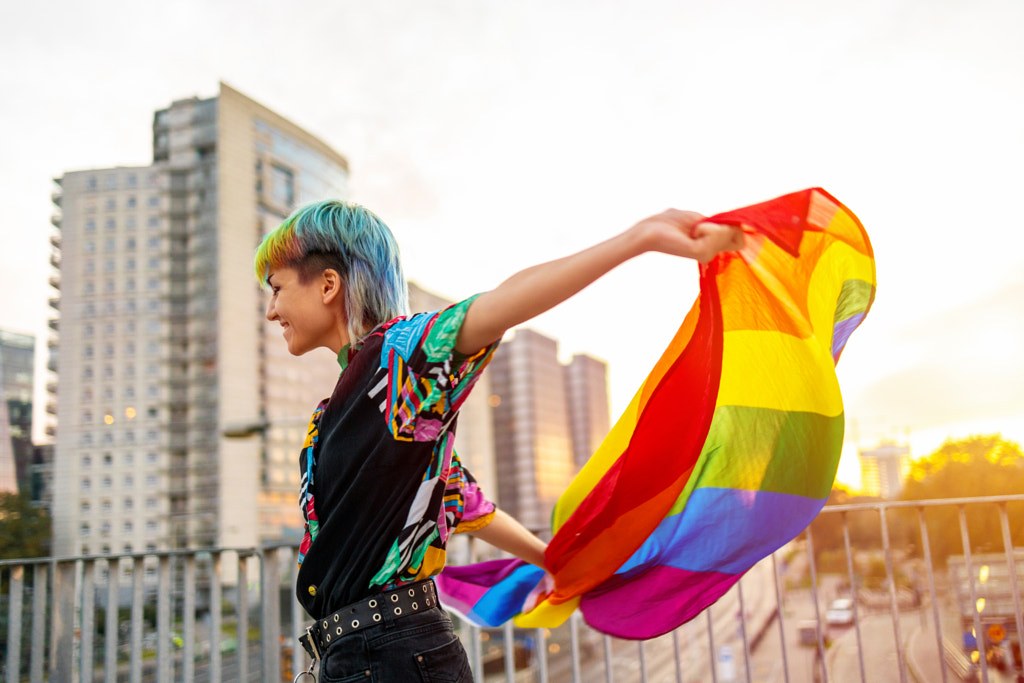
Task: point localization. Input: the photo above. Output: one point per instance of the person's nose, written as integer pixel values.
(271, 311)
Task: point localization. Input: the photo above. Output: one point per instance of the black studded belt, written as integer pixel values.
(396, 603)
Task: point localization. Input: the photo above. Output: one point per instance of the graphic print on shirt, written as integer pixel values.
(307, 466)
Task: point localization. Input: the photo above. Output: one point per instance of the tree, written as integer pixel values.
(963, 468)
(24, 529)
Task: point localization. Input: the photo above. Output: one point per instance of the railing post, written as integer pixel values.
(189, 619)
(927, 549)
(14, 623)
(979, 635)
(138, 598)
(891, 574)
(62, 651)
(270, 613)
(1011, 564)
(110, 637)
(39, 574)
(817, 607)
(163, 622)
(86, 665)
(853, 597)
(779, 611)
(215, 617)
(242, 618)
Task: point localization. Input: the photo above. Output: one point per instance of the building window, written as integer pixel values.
(86, 484)
(109, 266)
(128, 527)
(108, 287)
(129, 350)
(129, 306)
(105, 505)
(129, 370)
(111, 182)
(153, 201)
(131, 181)
(153, 221)
(107, 482)
(130, 202)
(152, 457)
(128, 482)
(89, 288)
(151, 527)
(86, 460)
(110, 225)
(129, 223)
(129, 459)
(151, 503)
(108, 372)
(151, 481)
(90, 183)
(109, 245)
(87, 351)
(90, 246)
(108, 460)
(87, 372)
(84, 507)
(86, 417)
(90, 226)
(282, 186)
(105, 528)
(84, 530)
(128, 503)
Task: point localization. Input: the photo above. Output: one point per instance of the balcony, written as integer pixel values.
(56, 197)
(55, 282)
(55, 261)
(55, 241)
(54, 302)
(907, 617)
(55, 220)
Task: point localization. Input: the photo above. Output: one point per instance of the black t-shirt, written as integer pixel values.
(380, 451)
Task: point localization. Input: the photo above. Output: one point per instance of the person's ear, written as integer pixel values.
(331, 286)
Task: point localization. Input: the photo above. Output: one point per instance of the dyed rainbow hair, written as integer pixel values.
(350, 239)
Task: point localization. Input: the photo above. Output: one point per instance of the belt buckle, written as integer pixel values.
(308, 642)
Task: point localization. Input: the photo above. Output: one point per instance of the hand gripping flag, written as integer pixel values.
(727, 451)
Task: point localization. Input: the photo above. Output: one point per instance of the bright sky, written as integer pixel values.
(493, 135)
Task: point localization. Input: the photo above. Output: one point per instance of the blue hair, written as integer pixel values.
(351, 240)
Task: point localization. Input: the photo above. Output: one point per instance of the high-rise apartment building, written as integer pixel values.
(586, 388)
(17, 369)
(884, 469)
(541, 408)
(180, 410)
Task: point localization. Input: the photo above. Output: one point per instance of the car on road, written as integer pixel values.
(840, 612)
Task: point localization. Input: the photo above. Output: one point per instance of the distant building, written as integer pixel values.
(17, 370)
(542, 411)
(884, 469)
(180, 410)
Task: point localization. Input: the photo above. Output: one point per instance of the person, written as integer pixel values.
(382, 486)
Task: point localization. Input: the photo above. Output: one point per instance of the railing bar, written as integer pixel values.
(508, 632)
(853, 596)
(270, 612)
(242, 619)
(643, 661)
(476, 650)
(300, 660)
(850, 507)
(677, 656)
(979, 635)
(607, 659)
(574, 646)
(711, 644)
(743, 630)
(215, 618)
(138, 595)
(88, 621)
(1011, 563)
(926, 546)
(110, 630)
(39, 604)
(542, 656)
(817, 607)
(901, 655)
(14, 615)
(779, 612)
(189, 620)
(163, 622)
(62, 621)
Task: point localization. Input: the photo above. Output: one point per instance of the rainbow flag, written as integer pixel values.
(727, 451)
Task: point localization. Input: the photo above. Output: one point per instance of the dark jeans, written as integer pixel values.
(418, 647)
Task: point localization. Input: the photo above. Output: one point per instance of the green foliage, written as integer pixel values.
(24, 530)
(976, 466)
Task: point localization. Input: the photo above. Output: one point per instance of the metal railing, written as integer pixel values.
(230, 615)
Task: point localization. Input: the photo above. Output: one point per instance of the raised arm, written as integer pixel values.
(530, 292)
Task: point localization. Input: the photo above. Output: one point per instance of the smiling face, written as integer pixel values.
(311, 314)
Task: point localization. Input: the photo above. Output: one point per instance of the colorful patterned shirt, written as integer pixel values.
(382, 486)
